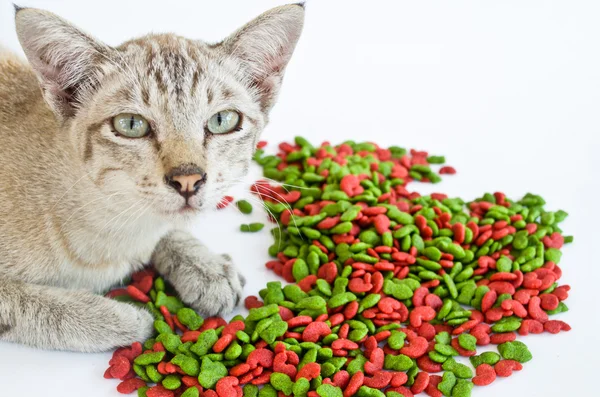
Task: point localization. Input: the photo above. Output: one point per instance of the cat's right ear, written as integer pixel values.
(68, 62)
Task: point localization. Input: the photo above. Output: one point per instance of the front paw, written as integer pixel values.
(212, 286)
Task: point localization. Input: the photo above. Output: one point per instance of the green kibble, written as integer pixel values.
(211, 372)
(443, 338)
(447, 383)
(515, 350)
(507, 324)
(162, 327)
(438, 357)
(141, 372)
(300, 388)
(171, 342)
(357, 364)
(467, 342)
(171, 382)
(282, 382)
(244, 206)
(365, 391)
(397, 363)
(191, 392)
(396, 339)
(446, 350)
(153, 374)
(490, 358)
(149, 358)
(262, 312)
(460, 370)
(436, 159)
(189, 318)
(188, 364)
(326, 390)
(267, 391)
(205, 342)
(462, 388)
(252, 227)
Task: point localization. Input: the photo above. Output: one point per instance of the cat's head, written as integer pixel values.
(169, 120)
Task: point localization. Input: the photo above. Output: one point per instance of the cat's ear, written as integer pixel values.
(265, 45)
(67, 61)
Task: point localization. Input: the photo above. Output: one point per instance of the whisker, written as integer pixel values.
(90, 202)
(261, 202)
(69, 189)
(283, 183)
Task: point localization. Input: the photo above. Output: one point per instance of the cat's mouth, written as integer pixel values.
(187, 208)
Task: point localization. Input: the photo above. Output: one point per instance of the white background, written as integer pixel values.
(509, 91)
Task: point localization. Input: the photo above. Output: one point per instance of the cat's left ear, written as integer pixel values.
(67, 61)
(265, 45)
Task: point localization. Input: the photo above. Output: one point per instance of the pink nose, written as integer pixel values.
(186, 185)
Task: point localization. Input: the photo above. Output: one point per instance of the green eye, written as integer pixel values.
(131, 125)
(224, 122)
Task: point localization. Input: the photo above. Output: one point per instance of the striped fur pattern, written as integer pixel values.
(82, 207)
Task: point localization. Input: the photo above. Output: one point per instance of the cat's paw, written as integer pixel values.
(116, 324)
(212, 286)
(134, 324)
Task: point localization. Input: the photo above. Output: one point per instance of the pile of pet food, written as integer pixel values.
(389, 291)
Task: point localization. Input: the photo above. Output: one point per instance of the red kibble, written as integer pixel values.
(315, 330)
(549, 301)
(311, 371)
(356, 381)
(225, 201)
(260, 356)
(481, 332)
(262, 379)
(227, 386)
(498, 339)
(426, 364)
(505, 368)
(130, 385)
(252, 302)
(421, 383)
(379, 380)
(222, 343)
(516, 307)
(402, 390)
(420, 314)
(119, 366)
(145, 284)
(447, 170)
(485, 375)
(555, 326)
(535, 310)
(416, 347)
(137, 294)
(462, 351)
(530, 326)
(160, 391)
(432, 390)
(189, 381)
(376, 360)
(341, 379)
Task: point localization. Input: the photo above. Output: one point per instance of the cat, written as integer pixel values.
(107, 154)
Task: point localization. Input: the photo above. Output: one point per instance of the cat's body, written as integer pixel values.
(82, 207)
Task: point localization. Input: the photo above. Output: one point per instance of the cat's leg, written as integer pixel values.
(56, 318)
(208, 282)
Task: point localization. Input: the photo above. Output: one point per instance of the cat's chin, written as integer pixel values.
(186, 213)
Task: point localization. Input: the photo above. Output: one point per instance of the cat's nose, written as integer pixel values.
(186, 180)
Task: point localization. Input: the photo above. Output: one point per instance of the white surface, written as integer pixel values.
(509, 91)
